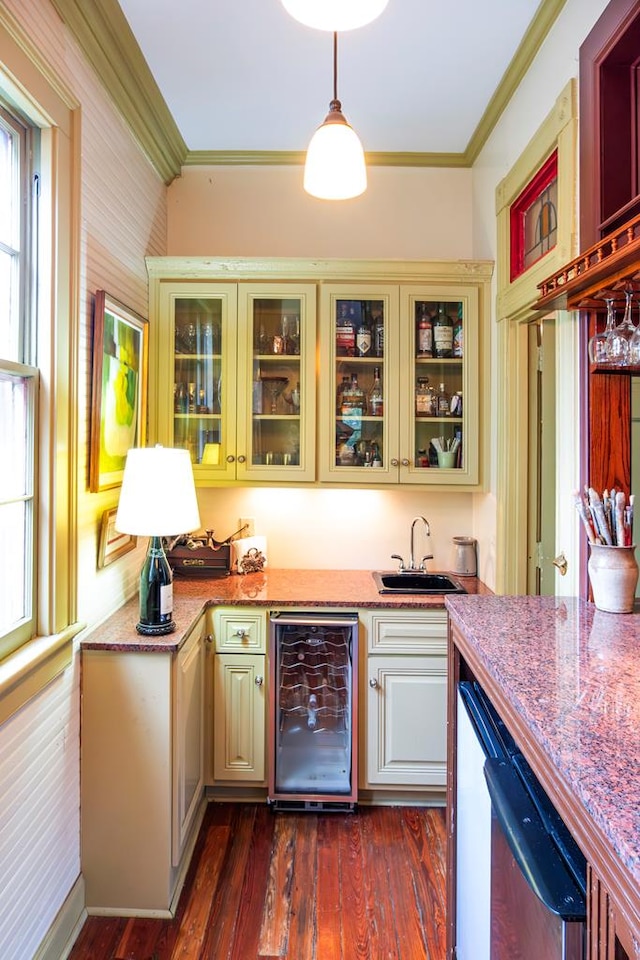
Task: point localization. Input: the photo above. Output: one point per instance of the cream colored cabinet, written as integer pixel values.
(232, 377)
(142, 795)
(400, 402)
(404, 685)
(239, 695)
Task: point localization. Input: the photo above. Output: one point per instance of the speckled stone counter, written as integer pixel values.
(272, 588)
(566, 679)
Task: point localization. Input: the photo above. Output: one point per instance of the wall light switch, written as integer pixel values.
(250, 526)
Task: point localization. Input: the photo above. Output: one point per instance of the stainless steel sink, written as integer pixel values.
(390, 581)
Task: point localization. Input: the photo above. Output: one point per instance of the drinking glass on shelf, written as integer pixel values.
(622, 334)
(599, 342)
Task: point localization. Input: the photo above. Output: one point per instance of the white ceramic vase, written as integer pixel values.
(613, 572)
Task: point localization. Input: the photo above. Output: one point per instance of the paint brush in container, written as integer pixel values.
(584, 515)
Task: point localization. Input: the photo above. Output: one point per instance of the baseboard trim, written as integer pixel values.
(64, 930)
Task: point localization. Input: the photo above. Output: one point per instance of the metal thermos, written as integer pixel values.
(465, 562)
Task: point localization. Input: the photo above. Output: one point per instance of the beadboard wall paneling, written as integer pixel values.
(122, 220)
(39, 787)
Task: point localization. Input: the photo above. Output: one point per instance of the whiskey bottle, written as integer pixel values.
(424, 398)
(443, 402)
(458, 337)
(424, 334)
(345, 331)
(354, 402)
(377, 328)
(363, 336)
(340, 391)
(442, 334)
(376, 399)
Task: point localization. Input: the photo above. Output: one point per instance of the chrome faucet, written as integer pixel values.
(412, 568)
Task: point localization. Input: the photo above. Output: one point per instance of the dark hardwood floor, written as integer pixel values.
(329, 886)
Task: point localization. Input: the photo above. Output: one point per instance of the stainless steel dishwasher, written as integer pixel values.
(520, 876)
(313, 686)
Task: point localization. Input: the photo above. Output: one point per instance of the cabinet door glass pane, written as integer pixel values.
(360, 382)
(197, 418)
(276, 391)
(438, 370)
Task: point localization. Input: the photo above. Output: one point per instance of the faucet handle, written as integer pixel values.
(396, 556)
(429, 556)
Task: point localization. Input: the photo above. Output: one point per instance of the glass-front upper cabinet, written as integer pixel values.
(400, 402)
(277, 367)
(439, 440)
(235, 383)
(359, 396)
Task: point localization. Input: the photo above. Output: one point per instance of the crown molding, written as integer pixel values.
(265, 158)
(545, 17)
(103, 33)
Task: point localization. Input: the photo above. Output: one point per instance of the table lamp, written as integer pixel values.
(158, 499)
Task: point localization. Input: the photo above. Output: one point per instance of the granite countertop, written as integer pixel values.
(566, 678)
(271, 588)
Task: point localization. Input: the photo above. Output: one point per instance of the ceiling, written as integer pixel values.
(242, 75)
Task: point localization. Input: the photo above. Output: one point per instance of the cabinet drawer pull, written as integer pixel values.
(259, 681)
(241, 633)
(373, 683)
(230, 458)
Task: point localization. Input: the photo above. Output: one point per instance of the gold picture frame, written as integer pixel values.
(113, 544)
(119, 389)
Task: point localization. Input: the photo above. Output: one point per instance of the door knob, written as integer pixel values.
(241, 459)
(405, 462)
(259, 681)
(394, 462)
(373, 683)
(230, 458)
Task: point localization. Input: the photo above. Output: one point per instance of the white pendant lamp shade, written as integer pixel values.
(334, 15)
(335, 167)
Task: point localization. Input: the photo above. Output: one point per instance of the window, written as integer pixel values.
(18, 382)
(39, 257)
(534, 218)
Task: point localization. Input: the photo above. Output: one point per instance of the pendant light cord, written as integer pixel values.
(335, 65)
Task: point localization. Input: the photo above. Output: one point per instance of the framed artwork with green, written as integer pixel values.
(119, 389)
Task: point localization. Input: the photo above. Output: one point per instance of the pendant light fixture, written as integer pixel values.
(335, 167)
(334, 14)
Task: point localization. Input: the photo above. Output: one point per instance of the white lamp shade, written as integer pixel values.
(158, 496)
(334, 15)
(335, 167)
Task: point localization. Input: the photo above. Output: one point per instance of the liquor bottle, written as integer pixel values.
(424, 398)
(377, 328)
(424, 334)
(376, 399)
(156, 591)
(376, 456)
(458, 337)
(443, 402)
(354, 402)
(363, 336)
(341, 389)
(345, 331)
(442, 334)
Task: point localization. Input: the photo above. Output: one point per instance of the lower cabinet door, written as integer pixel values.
(188, 752)
(239, 717)
(406, 720)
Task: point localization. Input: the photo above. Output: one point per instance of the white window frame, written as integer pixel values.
(27, 81)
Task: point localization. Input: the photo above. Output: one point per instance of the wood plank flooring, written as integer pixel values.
(329, 886)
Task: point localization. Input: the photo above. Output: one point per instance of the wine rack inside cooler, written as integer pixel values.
(313, 735)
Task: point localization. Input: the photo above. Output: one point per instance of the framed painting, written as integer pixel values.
(112, 543)
(119, 389)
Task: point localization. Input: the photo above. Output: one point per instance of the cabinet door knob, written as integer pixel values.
(259, 681)
(373, 683)
(241, 459)
(405, 462)
(230, 458)
(394, 462)
(209, 638)
(241, 633)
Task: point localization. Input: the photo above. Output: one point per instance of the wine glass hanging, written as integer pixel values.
(617, 345)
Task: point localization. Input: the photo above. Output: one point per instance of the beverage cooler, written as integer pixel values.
(312, 751)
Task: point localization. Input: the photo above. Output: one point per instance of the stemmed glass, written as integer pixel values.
(275, 386)
(621, 337)
(599, 342)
